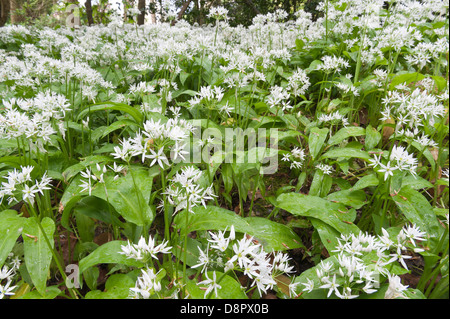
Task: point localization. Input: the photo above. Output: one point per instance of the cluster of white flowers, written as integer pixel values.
(412, 109)
(399, 159)
(145, 250)
(185, 192)
(91, 177)
(152, 142)
(141, 88)
(208, 96)
(333, 118)
(147, 284)
(325, 168)
(38, 117)
(8, 274)
(278, 99)
(244, 255)
(333, 64)
(295, 157)
(218, 13)
(416, 136)
(298, 83)
(362, 259)
(21, 186)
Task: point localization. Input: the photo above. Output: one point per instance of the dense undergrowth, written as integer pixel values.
(297, 159)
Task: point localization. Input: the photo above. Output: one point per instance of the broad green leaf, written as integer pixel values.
(102, 131)
(299, 44)
(333, 214)
(108, 253)
(10, 229)
(50, 293)
(425, 152)
(129, 200)
(346, 152)
(373, 137)
(37, 253)
(416, 182)
(366, 181)
(104, 106)
(328, 235)
(270, 234)
(419, 211)
(345, 133)
(353, 198)
(316, 140)
(440, 82)
(117, 287)
(405, 79)
(321, 184)
(192, 252)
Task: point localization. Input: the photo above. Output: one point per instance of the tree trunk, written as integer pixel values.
(152, 12)
(252, 6)
(15, 16)
(141, 16)
(183, 10)
(4, 12)
(88, 6)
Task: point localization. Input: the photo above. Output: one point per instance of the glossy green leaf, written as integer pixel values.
(108, 253)
(50, 293)
(316, 140)
(345, 133)
(105, 106)
(37, 253)
(373, 137)
(333, 214)
(419, 211)
(10, 229)
(366, 181)
(346, 152)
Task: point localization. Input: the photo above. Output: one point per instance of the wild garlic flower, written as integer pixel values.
(92, 177)
(333, 118)
(20, 186)
(296, 157)
(325, 168)
(395, 289)
(332, 64)
(145, 250)
(412, 109)
(298, 83)
(147, 284)
(184, 190)
(218, 13)
(211, 284)
(348, 274)
(244, 255)
(399, 159)
(8, 274)
(154, 141)
(6, 289)
(209, 97)
(278, 95)
(34, 118)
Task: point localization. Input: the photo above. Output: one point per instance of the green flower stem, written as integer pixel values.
(185, 243)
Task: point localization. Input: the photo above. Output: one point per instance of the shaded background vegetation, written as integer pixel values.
(53, 12)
